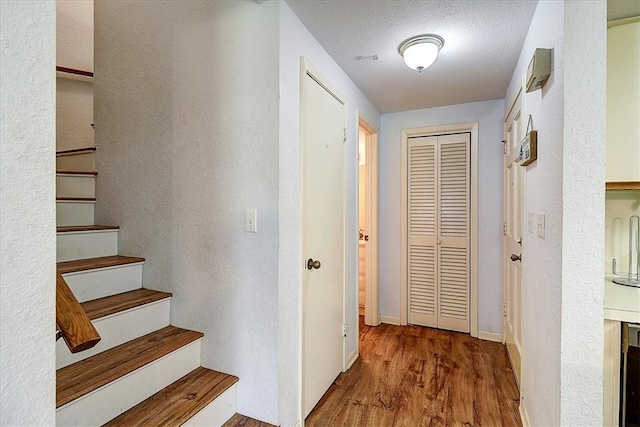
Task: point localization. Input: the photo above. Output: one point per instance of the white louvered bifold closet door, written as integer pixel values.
(438, 222)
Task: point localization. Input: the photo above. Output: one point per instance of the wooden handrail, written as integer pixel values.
(73, 323)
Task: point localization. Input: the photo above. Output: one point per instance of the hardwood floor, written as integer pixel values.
(415, 376)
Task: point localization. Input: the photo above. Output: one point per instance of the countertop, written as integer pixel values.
(621, 302)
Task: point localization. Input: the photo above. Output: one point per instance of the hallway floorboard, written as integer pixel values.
(414, 376)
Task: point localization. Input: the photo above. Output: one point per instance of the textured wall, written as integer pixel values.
(296, 41)
(542, 299)
(74, 35)
(583, 203)
(27, 209)
(563, 273)
(187, 139)
(488, 114)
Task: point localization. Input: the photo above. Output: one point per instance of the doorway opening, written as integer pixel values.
(368, 223)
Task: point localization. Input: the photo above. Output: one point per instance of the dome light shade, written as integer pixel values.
(420, 52)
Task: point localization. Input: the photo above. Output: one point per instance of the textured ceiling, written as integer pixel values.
(482, 44)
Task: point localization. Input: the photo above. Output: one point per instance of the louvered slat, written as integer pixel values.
(422, 291)
(453, 283)
(453, 189)
(422, 169)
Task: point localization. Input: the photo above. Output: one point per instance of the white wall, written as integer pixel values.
(187, 139)
(563, 273)
(27, 209)
(296, 41)
(489, 115)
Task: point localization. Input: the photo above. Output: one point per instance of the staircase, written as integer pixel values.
(143, 371)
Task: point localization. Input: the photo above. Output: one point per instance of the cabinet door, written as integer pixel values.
(611, 395)
(623, 103)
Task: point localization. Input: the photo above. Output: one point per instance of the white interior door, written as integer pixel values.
(438, 231)
(323, 149)
(514, 129)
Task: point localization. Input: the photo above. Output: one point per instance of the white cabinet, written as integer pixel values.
(611, 396)
(623, 103)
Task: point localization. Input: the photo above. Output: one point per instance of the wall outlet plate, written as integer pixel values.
(250, 221)
(541, 225)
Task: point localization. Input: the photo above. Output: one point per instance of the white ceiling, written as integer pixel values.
(483, 39)
(482, 44)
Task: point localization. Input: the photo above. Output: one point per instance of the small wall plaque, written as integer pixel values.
(529, 148)
(529, 144)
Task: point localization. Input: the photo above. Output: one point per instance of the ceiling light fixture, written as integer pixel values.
(419, 52)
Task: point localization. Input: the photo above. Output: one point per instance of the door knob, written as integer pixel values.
(313, 264)
(515, 257)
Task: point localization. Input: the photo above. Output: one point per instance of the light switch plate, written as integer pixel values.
(530, 221)
(250, 221)
(541, 225)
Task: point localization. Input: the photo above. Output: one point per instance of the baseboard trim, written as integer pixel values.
(523, 414)
(351, 359)
(490, 336)
(390, 320)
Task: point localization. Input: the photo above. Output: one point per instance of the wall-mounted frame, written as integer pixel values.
(529, 148)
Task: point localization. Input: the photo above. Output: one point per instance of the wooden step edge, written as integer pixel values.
(75, 199)
(79, 228)
(178, 402)
(112, 304)
(90, 173)
(95, 263)
(238, 420)
(85, 376)
(75, 151)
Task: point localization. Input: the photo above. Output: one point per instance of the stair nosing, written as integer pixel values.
(86, 264)
(75, 199)
(89, 375)
(86, 228)
(190, 407)
(95, 314)
(89, 173)
(73, 151)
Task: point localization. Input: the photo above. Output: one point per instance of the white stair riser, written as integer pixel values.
(218, 412)
(102, 282)
(109, 401)
(75, 185)
(86, 244)
(74, 213)
(75, 162)
(118, 329)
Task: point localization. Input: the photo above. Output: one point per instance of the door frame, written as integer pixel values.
(307, 69)
(520, 94)
(472, 128)
(371, 307)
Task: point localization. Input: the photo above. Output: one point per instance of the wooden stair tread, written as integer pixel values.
(178, 402)
(105, 306)
(92, 263)
(238, 420)
(75, 228)
(83, 377)
(75, 199)
(75, 151)
(94, 173)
